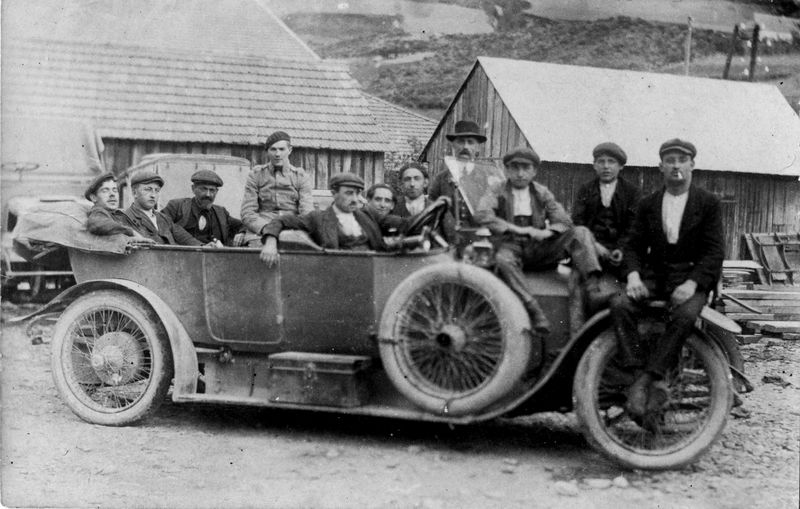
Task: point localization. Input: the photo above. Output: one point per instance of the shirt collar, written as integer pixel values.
(340, 212)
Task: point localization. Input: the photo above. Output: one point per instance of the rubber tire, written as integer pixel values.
(162, 367)
(587, 377)
(515, 326)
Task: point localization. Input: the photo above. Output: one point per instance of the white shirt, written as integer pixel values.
(417, 205)
(348, 223)
(672, 208)
(522, 201)
(151, 215)
(607, 192)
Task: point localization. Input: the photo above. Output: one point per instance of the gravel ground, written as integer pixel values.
(210, 456)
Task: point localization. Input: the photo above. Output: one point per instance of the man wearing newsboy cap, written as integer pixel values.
(143, 217)
(275, 189)
(199, 216)
(536, 232)
(675, 253)
(607, 204)
(343, 225)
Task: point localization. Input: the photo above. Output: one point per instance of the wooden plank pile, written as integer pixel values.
(767, 310)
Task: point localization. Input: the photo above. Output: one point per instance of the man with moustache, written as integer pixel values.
(146, 220)
(275, 189)
(675, 253)
(199, 216)
(607, 204)
(343, 225)
(105, 218)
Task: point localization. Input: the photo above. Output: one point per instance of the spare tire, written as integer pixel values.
(454, 339)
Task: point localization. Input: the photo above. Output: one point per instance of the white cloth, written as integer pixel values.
(522, 201)
(416, 206)
(607, 192)
(348, 223)
(202, 223)
(151, 215)
(672, 208)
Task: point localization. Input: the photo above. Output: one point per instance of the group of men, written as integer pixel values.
(669, 243)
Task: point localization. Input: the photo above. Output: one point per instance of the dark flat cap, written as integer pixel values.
(275, 137)
(611, 149)
(346, 179)
(679, 145)
(521, 154)
(96, 183)
(207, 177)
(416, 166)
(466, 129)
(146, 177)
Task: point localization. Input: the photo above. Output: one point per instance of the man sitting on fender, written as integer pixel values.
(517, 209)
(675, 253)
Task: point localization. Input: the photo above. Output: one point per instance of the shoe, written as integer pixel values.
(539, 322)
(636, 404)
(658, 397)
(597, 294)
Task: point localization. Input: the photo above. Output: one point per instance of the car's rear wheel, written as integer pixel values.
(454, 339)
(700, 398)
(111, 359)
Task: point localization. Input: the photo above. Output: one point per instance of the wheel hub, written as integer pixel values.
(452, 337)
(116, 357)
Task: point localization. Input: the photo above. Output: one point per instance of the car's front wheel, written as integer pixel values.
(111, 358)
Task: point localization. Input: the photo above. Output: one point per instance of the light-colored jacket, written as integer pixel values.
(269, 193)
(496, 209)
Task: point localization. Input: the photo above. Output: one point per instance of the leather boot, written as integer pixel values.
(539, 321)
(638, 395)
(597, 295)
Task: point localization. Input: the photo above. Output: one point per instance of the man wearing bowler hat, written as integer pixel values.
(275, 189)
(199, 216)
(466, 142)
(535, 232)
(675, 253)
(143, 217)
(607, 204)
(105, 218)
(343, 225)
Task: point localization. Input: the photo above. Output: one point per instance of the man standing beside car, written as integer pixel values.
(105, 218)
(199, 216)
(675, 253)
(607, 204)
(274, 189)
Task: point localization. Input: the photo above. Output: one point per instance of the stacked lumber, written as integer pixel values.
(767, 310)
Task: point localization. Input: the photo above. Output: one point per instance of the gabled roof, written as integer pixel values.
(565, 110)
(403, 127)
(142, 93)
(232, 27)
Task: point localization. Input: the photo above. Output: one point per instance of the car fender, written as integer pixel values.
(183, 352)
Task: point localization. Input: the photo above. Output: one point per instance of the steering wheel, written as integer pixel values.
(431, 216)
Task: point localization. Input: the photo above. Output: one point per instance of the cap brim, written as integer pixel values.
(521, 160)
(676, 148)
(452, 136)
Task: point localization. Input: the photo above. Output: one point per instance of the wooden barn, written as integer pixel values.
(200, 76)
(747, 135)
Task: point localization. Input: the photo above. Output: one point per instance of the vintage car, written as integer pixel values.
(411, 334)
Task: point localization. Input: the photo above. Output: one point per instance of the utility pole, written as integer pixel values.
(687, 51)
(731, 51)
(754, 52)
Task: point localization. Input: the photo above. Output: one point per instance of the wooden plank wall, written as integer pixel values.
(320, 163)
(750, 202)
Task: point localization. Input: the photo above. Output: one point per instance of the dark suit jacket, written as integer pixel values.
(496, 210)
(323, 227)
(168, 232)
(447, 228)
(588, 206)
(102, 221)
(699, 252)
(185, 214)
(400, 208)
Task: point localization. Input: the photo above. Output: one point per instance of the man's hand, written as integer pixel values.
(683, 292)
(602, 251)
(534, 233)
(269, 253)
(636, 289)
(213, 243)
(238, 240)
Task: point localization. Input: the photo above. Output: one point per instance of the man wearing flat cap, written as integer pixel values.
(143, 217)
(275, 189)
(105, 218)
(343, 225)
(199, 216)
(466, 142)
(675, 253)
(535, 232)
(607, 204)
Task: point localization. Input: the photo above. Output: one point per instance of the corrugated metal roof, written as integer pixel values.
(142, 93)
(233, 27)
(403, 127)
(565, 110)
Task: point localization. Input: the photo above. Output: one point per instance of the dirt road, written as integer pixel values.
(206, 456)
